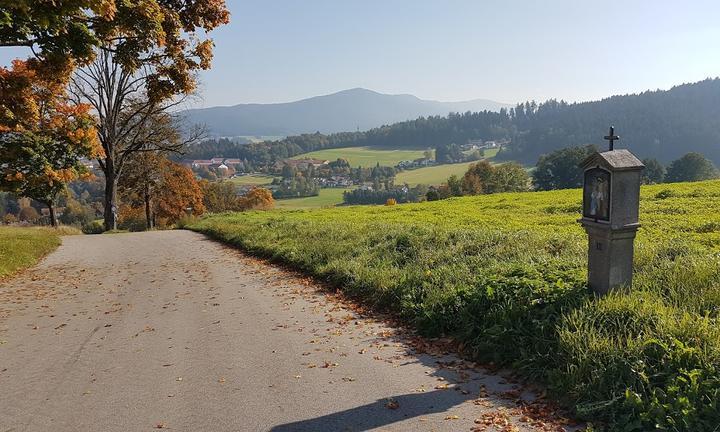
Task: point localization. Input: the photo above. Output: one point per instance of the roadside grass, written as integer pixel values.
(23, 247)
(505, 275)
(364, 156)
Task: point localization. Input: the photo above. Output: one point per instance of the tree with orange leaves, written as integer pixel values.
(166, 32)
(179, 195)
(42, 136)
(134, 58)
(166, 190)
(144, 68)
(257, 199)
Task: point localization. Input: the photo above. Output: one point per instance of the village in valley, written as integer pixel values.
(330, 174)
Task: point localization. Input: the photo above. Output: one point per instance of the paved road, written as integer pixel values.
(170, 330)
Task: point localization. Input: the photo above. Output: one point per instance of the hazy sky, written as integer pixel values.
(282, 50)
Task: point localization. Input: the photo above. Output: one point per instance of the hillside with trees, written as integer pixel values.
(660, 124)
(654, 124)
(419, 134)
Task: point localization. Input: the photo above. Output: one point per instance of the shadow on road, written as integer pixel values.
(378, 414)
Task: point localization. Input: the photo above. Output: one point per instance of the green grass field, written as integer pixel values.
(433, 175)
(364, 156)
(23, 247)
(436, 175)
(505, 275)
(327, 198)
(257, 180)
(491, 153)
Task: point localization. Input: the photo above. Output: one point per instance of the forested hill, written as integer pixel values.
(659, 124)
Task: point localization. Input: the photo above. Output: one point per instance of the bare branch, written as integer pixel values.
(25, 43)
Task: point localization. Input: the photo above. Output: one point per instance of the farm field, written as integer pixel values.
(258, 180)
(433, 175)
(23, 247)
(439, 174)
(364, 156)
(327, 197)
(505, 276)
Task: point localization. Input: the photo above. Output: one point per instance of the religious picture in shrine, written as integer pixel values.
(596, 196)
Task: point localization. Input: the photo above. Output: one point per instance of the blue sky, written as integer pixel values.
(282, 50)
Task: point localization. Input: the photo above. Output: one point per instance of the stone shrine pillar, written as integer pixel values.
(611, 201)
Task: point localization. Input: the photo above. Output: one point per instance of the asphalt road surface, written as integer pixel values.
(170, 330)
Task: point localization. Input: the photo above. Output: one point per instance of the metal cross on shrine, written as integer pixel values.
(612, 138)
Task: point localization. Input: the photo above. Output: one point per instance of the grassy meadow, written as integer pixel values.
(252, 180)
(364, 156)
(326, 198)
(505, 275)
(23, 247)
(433, 175)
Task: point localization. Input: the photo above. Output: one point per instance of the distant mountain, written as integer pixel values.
(661, 124)
(343, 111)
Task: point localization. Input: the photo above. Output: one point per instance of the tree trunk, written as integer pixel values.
(51, 208)
(110, 211)
(148, 214)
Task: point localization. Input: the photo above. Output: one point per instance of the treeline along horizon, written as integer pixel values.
(659, 124)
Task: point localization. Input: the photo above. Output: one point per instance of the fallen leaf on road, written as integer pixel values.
(392, 404)
(160, 426)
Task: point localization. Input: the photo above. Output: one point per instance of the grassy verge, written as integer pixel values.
(505, 275)
(23, 247)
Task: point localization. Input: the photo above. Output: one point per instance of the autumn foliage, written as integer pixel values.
(222, 196)
(159, 191)
(42, 135)
(179, 195)
(169, 33)
(257, 199)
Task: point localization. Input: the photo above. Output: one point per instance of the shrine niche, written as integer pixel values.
(596, 195)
